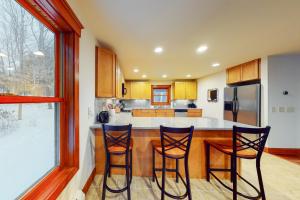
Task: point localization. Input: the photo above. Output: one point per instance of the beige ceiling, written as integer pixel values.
(235, 31)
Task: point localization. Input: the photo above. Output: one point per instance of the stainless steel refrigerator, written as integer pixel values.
(242, 104)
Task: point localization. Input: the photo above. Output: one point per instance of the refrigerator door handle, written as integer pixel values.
(237, 106)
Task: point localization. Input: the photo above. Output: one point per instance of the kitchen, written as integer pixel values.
(149, 99)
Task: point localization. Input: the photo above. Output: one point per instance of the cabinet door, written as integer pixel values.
(234, 74)
(179, 90)
(105, 73)
(191, 90)
(140, 90)
(119, 81)
(251, 70)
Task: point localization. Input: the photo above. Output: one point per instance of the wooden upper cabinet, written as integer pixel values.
(119, 81)
(185, 90)
(234, 75)
(179, 90)
(105, 73)
(191, 90)
(140, 90)
(251, 70)
(245, 72)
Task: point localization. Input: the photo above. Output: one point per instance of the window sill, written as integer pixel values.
(52, 185)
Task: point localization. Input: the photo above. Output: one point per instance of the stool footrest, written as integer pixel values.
(168, 170)
(239, 193)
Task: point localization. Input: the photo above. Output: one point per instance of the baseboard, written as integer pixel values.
(89, 181)
(283, 151)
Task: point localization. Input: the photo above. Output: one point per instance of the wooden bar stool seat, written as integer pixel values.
(172, 153)
(242, 145)
(119, 149)
(225, 146)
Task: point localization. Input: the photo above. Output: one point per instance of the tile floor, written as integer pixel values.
(281, 179)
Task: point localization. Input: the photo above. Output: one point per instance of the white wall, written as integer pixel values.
(86, 103)
(284, 74)
(211, 109)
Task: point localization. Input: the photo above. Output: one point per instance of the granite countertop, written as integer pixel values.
(200, 123)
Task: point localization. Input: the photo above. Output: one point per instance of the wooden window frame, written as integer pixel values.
(168, 87)
(60, 19)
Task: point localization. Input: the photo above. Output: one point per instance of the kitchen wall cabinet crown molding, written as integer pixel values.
(248, 71)
(109, 76)
(185, 89)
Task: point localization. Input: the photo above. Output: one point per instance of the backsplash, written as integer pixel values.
(147, 104)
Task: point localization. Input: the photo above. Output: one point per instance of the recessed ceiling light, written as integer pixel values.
(3, 55)
(215, 65)
(136, 70)
(144, 76)
(38, 53)
(188, 75)
(158, 50)
(202, 49)
(164, 76)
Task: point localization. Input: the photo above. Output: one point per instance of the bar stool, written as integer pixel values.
(117, 141)
(240, 146)
(174, 144)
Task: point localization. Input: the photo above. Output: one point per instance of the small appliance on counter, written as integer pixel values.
(103, 117)
(192, 105)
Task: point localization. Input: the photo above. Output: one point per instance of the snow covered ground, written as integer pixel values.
(27, 150)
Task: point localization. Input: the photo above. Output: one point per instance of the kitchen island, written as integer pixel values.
(145, 129)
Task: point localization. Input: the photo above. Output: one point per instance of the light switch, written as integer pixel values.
(290, 109)
(281, 109)
(274, 109)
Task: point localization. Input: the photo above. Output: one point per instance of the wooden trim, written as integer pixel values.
(282, 151)
(168, 87)
(28, 99)
(51, 185)
(89, 181)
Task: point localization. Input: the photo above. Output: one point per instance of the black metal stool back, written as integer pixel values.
(247, 143)
(117, 136)
(242, 142)
(176, 138)
(117, 141)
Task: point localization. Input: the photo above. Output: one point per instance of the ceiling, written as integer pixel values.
(235, 31)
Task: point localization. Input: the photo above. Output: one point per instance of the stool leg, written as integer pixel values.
(231, 164)
(234, 178)
(261, 185)
(207, 157)
(177, 170)
(163, 178)
(153, 164)
(130, 166)
(187, 176)
(127, 177)
(105, 178)
(109, 167)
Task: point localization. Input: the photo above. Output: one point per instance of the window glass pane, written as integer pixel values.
(160, 99)
(28, 146)
(160, 91)
(27, 59)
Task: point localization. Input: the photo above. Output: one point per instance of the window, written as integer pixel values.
(38, 98)
(160, 94)
(28, 131)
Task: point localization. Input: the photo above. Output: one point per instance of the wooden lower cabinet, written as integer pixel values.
(153, 113)
(165, 113)
(194, 113)
(143, 113)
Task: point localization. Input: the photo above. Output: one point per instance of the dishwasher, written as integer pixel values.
(180, 112)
